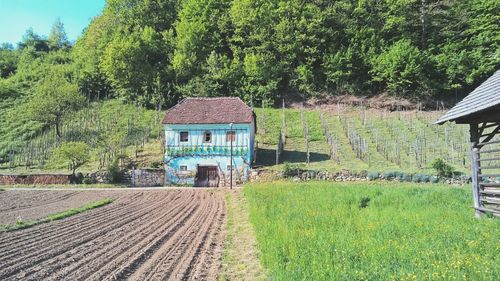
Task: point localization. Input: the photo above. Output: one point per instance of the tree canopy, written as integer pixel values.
(154, 52)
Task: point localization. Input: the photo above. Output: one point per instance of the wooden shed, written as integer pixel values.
(481, 111)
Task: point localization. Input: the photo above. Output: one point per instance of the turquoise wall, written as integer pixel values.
(196, 152)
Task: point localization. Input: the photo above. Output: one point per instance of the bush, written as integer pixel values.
(77, 179)
(442, 168)
(292, 170)
(415, 178)
(89, 180)
(373, 175)
(363, 174)
(434, 179)
(425, 178)
(156, 164)
(115, 171)
(406, 177)
(388, 175)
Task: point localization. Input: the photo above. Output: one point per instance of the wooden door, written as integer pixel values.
(213, 177)
(207, 176)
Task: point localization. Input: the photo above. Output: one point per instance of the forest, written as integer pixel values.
(151, 53)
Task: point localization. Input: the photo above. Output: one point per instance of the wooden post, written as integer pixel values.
(474, 138)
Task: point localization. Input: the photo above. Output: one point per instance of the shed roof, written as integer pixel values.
(220, 110)
(483, 98)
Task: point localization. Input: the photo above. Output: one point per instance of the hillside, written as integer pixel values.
(149, 54)
(362, 139)
(340, 138)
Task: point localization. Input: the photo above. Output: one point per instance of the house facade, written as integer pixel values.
(202, 136)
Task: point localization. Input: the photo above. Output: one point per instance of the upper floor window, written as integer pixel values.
(184, 137)
(230, 136)
(207, 136)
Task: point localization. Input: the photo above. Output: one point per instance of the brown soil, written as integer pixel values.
(35, 204)
(142, 235)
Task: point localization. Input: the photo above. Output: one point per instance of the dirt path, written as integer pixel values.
(241, 254)
(143, 235)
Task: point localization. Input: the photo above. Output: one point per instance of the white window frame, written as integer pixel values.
(181, 170)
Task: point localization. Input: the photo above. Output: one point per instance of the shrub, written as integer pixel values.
(434, 179)
(72, 154)
(389, 175)
(373, 175)
(156, 164)
(115, 171)
(406, 177)
(89, 180)
(415, 178)
(292, 170)
(425, 178)
(442, 168)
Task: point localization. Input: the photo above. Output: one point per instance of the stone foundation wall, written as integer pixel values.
(147, 177)
(34, 179)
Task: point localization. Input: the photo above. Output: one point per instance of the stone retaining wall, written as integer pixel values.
(147, 177)
(34, 179)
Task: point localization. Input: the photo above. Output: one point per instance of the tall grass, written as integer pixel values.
(325, 231)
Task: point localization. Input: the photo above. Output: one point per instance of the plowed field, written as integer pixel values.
(142, 235)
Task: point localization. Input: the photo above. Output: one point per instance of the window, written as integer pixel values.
(229, 167)
(207, 136)
(184, 136)
(183, 168)
(230, 136)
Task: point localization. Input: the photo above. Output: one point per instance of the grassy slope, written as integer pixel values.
(101, 125)
(318, 231)
(406, 130)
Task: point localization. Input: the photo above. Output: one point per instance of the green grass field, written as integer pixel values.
(364, 231)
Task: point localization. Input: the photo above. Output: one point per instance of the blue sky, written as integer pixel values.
(16, 16)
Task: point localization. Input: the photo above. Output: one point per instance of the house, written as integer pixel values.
(199, 136)
(481, 111)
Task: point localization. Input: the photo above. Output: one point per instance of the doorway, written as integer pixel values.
(207, 176)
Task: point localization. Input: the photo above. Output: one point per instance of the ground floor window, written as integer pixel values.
(229, 167)
(183, 168)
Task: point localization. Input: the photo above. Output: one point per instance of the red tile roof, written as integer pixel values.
(222, 110)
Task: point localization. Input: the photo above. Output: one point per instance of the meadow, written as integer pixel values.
(372, 231)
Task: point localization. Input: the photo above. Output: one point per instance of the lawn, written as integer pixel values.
(372, 231)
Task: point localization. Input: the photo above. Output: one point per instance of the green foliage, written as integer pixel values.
(72, 154)
(293, 170)
(402, 69)
(55, 97)
(57, 37)
(88, 180)
(373, 176)
(114, 171)
(442, 168)
(320, 231)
